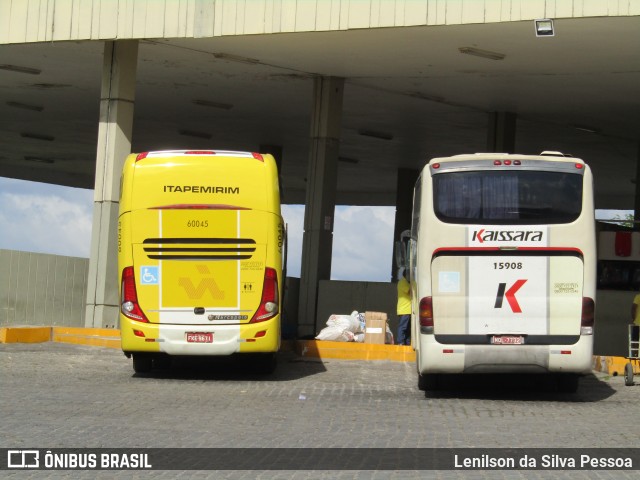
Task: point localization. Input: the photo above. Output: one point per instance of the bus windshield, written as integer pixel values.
(520, 197)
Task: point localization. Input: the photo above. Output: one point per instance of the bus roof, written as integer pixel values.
(191, 153)
(544, 156)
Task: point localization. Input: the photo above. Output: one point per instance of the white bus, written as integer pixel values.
(502, 257)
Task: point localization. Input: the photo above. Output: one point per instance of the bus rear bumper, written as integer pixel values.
(434, 357)
(214, 339)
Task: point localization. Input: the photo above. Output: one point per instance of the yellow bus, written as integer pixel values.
(200, 242)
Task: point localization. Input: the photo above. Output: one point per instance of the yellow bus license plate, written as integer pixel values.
(199, 337)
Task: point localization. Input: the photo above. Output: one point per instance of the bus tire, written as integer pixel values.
(266, 363)
(162, 362)
(567, 382)
(428, 382)
(142, 363)
(628, 374)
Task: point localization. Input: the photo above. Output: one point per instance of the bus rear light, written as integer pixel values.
(260, 334)
(579, 166)
(497, 162)
(426, 315)
(199, 152)
(269, 304)
(588, 316)
(129, 297)
(258, 156)
(435, 166)
(142, 156)
(507, 162)
(138, 333)
(517, 162)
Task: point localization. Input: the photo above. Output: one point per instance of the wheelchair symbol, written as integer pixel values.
(149, 275)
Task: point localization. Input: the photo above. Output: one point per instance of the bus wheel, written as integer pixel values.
(428, 382)
(142, 363)
(265, 363)
(628, 374)
(162, 362)
(567, 383)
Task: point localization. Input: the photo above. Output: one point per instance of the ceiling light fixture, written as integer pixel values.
(544, 27)
(32, 158)
(19, 69)
(25, 106)
(348, 160)
(426, 96)
(193, 133)
(380, 135)
(37, 136)
(236, 58)
(208, 103)
(584, 128)
(482, 53)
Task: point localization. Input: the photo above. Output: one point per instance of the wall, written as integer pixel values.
(39, 289)
(343, 297)
(23, 21)
(613, 315)
(50, 290)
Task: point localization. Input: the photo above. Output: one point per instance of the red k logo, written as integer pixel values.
(510, 294)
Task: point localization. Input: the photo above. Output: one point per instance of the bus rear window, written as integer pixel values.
(507, 197)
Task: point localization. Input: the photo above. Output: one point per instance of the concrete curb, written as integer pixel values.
(354, 351)
(610, 365)
(99, 337)
(25, 334)
(110, 338)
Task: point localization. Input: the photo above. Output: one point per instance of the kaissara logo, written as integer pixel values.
(510, 295)
(484, 235)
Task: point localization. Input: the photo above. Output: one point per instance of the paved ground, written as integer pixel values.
(56, 395)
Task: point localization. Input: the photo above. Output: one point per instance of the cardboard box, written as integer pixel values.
(375, 327)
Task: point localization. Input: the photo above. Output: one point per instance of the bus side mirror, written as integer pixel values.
(401, 254)
(402, 259)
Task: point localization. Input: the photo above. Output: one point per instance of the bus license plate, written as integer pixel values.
(199, 337)
(507, 340)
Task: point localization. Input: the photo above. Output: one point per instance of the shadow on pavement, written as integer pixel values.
(234, 368)
(519, 387)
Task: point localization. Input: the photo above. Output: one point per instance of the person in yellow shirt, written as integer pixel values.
(635, 311)
(404, 309)
(635, 318)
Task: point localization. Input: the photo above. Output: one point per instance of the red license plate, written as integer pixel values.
(507, 340)
(199, 337)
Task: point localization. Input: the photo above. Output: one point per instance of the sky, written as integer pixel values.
(45, 218)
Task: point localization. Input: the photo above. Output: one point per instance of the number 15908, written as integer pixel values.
(507, 265)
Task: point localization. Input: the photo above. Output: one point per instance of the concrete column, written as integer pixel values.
(276, 151)
(501, 132)
(636, 205)
(321, 197)
(114, 144)
(404, 207)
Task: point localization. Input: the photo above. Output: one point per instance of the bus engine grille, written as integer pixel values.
(199, 248)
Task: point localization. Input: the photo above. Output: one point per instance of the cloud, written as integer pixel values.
(52, 219)
(45, 218)
(362, 242)
(294, 218)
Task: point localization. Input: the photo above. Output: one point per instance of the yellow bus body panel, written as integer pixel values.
(199, 231)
